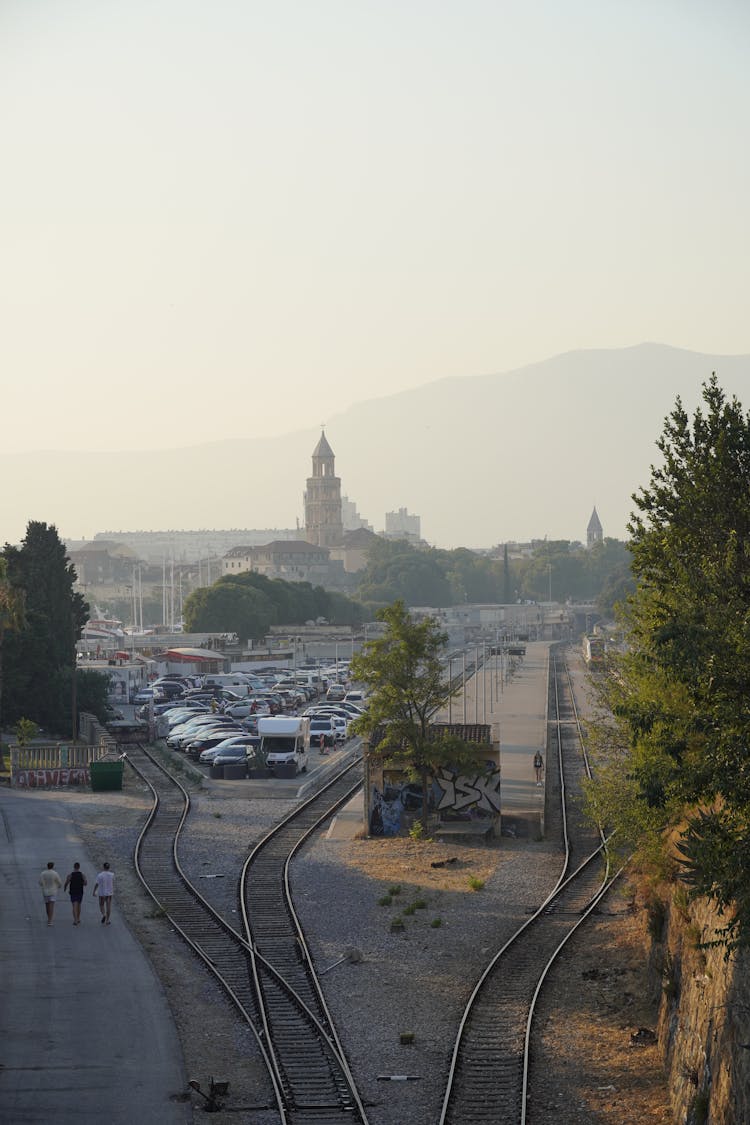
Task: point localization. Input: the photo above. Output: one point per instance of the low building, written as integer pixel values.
(294, 560)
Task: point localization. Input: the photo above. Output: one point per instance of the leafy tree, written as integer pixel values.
(405, 674)
(37, 657)
(11, 616)
(229, 606)
(92, 692)
(680, 695)
(249, 603)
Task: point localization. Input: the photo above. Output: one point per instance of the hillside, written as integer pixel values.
(480, 458)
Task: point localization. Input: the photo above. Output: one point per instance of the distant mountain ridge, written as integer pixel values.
(481, 458)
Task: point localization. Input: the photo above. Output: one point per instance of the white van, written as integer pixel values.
(232, 681)
(285, 744)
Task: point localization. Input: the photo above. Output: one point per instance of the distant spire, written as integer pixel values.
(323, 449)
(594, 531)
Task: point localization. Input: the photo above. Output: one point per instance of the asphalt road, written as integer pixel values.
(86, 1034)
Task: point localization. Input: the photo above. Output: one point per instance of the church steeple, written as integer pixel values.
(594, 532)
(323, 520)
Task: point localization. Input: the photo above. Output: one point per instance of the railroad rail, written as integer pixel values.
(241, 969)
(315, 1074)
(488, 1074)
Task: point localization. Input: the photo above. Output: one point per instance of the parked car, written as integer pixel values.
(144, 695)
(231, 755)
(335, 693)
(206, 741)
(187, 732)
(322, 728)
(353, 708)
(243, 740)
(246, 708)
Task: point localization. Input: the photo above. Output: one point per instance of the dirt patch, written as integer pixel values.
(426, 864)
(598, 1069)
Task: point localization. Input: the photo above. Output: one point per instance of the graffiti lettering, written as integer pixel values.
(482, 791)
(37, 779)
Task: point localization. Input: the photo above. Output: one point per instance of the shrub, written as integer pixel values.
(385, 900)
(395, 890)
(436, 923)
(475, 883)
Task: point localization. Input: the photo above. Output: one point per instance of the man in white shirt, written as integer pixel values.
(51, 883)
(105, 886)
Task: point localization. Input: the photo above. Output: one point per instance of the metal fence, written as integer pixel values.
(51, 765)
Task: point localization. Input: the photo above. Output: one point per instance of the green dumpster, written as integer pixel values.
(106, 775)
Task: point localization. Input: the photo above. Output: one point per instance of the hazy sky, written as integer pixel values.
(231, 218)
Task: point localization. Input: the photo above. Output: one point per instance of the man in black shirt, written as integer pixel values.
(76, 881)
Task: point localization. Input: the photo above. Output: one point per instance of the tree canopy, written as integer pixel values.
(405, 674)
(248, 603)
(40, 657)
(679, 696)
(417, 575)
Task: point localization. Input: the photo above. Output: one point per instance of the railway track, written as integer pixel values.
(309, 1082)
(489, 1072)
(316, 1076)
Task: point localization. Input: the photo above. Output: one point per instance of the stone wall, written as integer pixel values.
(704, 1015)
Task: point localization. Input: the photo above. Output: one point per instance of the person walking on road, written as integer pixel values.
(51, 883)
(105, 886)
(538, 767)
(74, 883)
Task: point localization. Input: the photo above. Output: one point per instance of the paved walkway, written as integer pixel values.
(516, 706)
(86, 1032)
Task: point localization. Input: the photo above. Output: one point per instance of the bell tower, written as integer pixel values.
(323, 520)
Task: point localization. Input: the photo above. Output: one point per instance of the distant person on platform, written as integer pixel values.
(74, 884)
(538, 767)
(105, 887)
(51, 883)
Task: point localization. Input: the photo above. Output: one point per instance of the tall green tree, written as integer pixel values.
(11, 616)
(405, 673)
(682, 688)
(39, 659)
(229, 606)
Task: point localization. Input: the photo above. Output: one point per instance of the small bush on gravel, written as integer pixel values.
(386, 900)
(395, 890)
(436, 923)
(420, 904)
(397, 923)
(475, 883)
(410, 909)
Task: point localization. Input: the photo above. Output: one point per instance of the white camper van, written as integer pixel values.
(285, 744)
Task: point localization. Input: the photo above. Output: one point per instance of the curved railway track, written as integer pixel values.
(489, 1069)
(316, 1075)
(309, 1079)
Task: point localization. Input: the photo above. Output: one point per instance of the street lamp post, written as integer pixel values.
(463, 684)
(476, 685)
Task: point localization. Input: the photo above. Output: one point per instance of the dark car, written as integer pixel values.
(206, 741)
(231, 755)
